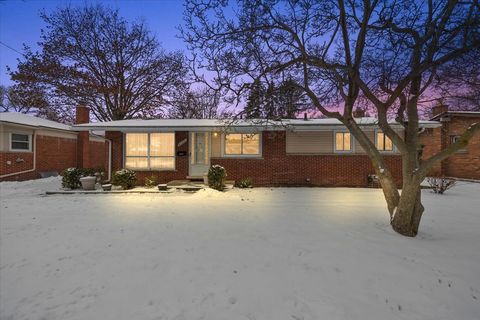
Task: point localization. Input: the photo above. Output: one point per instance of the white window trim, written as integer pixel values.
(352, 142)
(376, 144)
(260, 146)
(20, 150)
(148, 154)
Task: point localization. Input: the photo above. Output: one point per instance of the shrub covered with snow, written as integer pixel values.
(245, 183)
(71, 176)
(441, 184)
(216, 177)
(151, 181)
(125, 178)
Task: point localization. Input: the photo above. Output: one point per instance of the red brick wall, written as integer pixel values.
(276, 167)
(463, 164)
(53, 154)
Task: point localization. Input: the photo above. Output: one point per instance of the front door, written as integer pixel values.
(199, 153)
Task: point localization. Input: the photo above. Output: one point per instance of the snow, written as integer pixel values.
(211, 124)
(29, 120)
(283, 253)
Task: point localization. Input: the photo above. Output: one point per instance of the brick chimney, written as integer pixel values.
(358, 113)
(439, 109)
(82, 115)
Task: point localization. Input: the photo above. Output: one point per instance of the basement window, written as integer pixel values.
(150, 151)
(20, 142)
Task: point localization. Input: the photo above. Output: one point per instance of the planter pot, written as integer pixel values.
(205, 179)
(88, 183)
(162, 187)
(106, 187)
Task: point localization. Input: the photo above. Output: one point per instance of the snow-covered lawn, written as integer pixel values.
(299, 253)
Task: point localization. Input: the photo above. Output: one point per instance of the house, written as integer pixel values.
(465, 163)
(316, 152)
(32, 147)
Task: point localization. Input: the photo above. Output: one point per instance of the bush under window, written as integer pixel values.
(125, 178)
(216, 177)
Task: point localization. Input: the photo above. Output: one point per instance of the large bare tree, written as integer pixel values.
(387, 52)
(92, 55)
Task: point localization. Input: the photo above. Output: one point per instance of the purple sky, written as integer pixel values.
(20, 23)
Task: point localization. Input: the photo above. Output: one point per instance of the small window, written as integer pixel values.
(150, 151)
(343, 142)
(384, 143)
(454, 139)
(20, 142)
(245, 144)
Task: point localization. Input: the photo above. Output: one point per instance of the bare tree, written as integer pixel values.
(386, 51)
(195, 104)
(92, 55)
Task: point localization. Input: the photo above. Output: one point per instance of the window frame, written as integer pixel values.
(352, 144)
(241, 155)
(149, 168)
(20, 150)
(384, 137)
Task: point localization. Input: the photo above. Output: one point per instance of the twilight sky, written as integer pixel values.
(20, 23)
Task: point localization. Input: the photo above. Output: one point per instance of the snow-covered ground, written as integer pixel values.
(299, 253)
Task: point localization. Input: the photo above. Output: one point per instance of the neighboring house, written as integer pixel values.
(317, 152)
(466, 162)
(32, 147)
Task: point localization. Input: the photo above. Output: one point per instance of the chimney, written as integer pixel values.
(359, 113)
(439, 109)
(82, 114)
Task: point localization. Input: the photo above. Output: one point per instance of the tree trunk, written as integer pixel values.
(408, 214)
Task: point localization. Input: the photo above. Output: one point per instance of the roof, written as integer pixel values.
(31, 121)
(456, 114)
(212, 124)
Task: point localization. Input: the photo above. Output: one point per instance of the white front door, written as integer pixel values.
(199, 161)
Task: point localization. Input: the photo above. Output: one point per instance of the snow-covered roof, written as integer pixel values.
(31, 121)
(210, 124)
(456, 113)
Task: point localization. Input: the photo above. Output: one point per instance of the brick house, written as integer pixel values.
(316, 152)
(466, 162)
(32, 147)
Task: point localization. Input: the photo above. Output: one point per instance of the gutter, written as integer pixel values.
(34, 159)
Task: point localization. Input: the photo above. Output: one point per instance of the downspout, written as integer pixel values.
(109, 165)
(34, 159)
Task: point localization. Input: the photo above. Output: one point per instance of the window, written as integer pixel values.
(19, 142)
(454, 139)
(343, 141)
(150, 151)
(245, 144)
(383, 142)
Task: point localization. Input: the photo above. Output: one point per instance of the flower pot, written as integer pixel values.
(88, 183)
(106, 187)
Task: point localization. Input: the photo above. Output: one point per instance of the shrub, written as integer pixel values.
(71, 178)
(125, 178)
(216, 177)
(151, 181)
(245, 183)
(441, 184)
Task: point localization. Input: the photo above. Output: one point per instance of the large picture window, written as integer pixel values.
(243, 144)
(383, 142)
(19, 142)
(343, 142)
(150, 151)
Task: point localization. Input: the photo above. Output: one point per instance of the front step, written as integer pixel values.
(195, 178)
